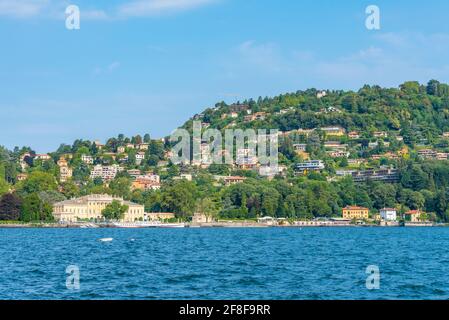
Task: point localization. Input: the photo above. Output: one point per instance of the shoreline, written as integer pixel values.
(204, 225)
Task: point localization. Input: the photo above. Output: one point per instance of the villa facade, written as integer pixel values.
(354, 212)
(90, 208)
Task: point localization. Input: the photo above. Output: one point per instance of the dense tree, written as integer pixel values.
(38, 181)
(114, 211)
(34, 209)
(180, 197)
(10, 206)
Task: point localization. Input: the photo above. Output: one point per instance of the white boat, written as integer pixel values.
(146, 224)
(106, 239)
(132, 224)
(171, 225)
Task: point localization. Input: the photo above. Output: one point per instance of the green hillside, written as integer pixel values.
(379, 147)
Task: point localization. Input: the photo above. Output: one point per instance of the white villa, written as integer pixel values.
(388, 214)
(91, 207)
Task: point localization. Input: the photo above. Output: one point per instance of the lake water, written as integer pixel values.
(272, 263)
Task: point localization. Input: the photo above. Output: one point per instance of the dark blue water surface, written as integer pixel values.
(272, 263)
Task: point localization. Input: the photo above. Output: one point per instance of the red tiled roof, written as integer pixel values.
(411, 212)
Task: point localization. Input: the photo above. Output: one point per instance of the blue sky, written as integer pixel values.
(147, 65)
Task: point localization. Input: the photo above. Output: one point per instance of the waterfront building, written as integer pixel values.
(388, 214)
(159, 216)
(90, 208)
(355, 212)
(415, 216)
(199, 218)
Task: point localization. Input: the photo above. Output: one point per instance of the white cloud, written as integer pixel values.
(94, 14)
(54, 9)
(139, 8)
(266, 56)
(389, 60)
(113, 66)
(108, 69)
(22, 8)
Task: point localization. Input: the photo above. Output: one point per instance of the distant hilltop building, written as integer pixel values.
(334, 131)
(311, 165)
(147, 182)
(321, 94)
(64, 171)
(388, 175)
(43, 157)
(87, 159)
(90, 208)
(238, 107)
(106, 173)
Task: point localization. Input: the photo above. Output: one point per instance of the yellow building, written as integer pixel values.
(160, 216)
(334, 131)
(353, 212)
(64, 170)
(91, 207)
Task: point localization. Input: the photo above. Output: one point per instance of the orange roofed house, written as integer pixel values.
(354, 212)
(415, 216)
(148, 182)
